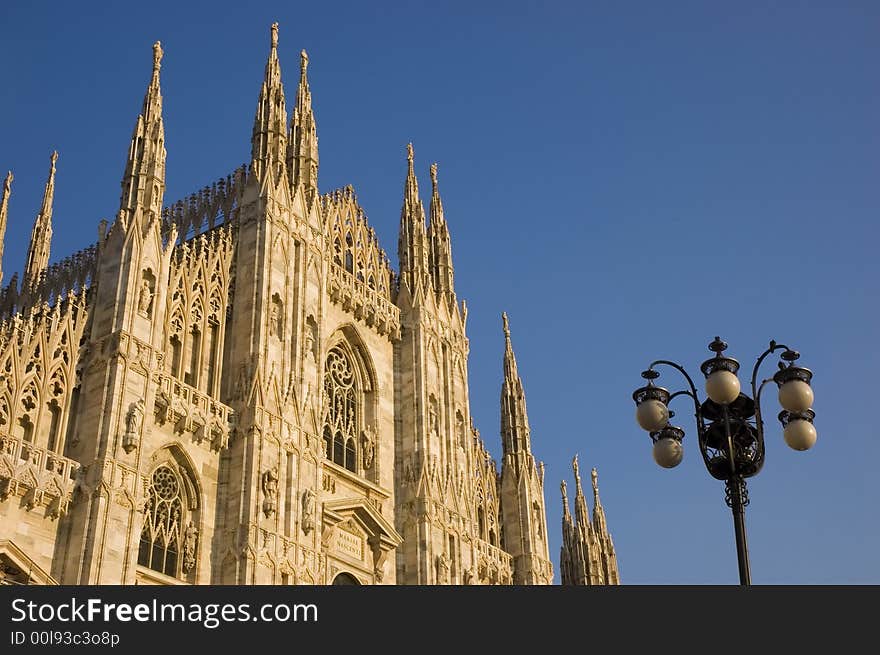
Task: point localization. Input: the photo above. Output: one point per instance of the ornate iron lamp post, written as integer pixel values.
(730, 430)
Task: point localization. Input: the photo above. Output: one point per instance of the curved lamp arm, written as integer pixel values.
(692, 393)
(756, 391)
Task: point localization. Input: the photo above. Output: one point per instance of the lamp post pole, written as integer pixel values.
(730, 430)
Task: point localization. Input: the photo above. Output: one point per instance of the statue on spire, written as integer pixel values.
(157, 56)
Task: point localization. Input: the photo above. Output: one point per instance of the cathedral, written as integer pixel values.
(238, 388)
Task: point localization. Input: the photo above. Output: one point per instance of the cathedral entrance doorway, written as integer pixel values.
(345, 578)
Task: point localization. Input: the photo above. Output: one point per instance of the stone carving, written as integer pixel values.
(368, 441)
(309, 337)
(162, 406)
(275, 318)
(190, 539)
(536, 516)
(270, 491)
(432, 416)
(273, 321)
(145, 299)
(442, 569)
(308, 511)
(133, 424)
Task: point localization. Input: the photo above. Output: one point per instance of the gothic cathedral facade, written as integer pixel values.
(238, 388)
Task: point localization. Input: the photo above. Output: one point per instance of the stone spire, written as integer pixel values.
(41, 236)
(522, 485)
(599, 523)
(4, 216)
(440, 253)
(143, 184)
(566, 568)
(587, 554)
(581, 511)
(566, 514)
(302, 149)
(269, 139)
(514, 418)
(411, 243)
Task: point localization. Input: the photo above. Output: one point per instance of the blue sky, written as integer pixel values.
(625, 179)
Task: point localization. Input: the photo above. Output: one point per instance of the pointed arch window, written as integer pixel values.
(160, 538)
(169, 537)
(341, 393)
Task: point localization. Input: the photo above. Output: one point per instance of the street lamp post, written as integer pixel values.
(730, 430)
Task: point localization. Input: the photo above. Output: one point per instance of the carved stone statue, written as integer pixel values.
(275, 320)
(432, 419)
(134, 420)
(270, 491)
(539, 524)
(369, 446)
(145, 298)
(442, 569)
(308, 511)
(135, 417)
(309, 340)
(190, 538)
(162, 406)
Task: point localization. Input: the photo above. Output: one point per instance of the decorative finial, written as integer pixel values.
(303, 60)
(409, 153)
(434, 175)
(574, 465)
(274, 35)
(595, 475)
(157, 55)
(54, 159)
(506, 324)
(564, 488)
(7, 184)
(718, 346)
